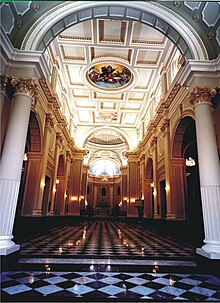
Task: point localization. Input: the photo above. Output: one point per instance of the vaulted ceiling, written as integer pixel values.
(144, 38)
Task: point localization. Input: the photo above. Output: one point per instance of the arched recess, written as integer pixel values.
(153, 14)
(185, 187)
(59, 200)
(148, 190)
(30, 170)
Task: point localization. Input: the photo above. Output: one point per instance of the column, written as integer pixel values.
(83, 196)
(142, 174)
(75, 184)
(124, 197)
(209, 169)
(156, 214)
(170, 215)
(67, 174)
(132, 185)
(49, 123)
(12, 158)
(59, 139)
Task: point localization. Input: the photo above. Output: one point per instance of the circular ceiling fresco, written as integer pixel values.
(108, 76)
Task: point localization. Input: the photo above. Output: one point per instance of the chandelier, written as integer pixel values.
(108, 117)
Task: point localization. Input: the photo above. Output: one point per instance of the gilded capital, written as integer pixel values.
(202, 94)
(25, 85)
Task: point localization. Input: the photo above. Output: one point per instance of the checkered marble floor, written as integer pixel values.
(106, 239)
(105, 283)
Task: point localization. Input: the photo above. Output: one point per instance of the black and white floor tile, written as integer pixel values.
(108, 285)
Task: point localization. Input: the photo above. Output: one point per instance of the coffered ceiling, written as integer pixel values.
(138, 47)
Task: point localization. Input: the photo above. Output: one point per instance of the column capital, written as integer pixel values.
(13, 85)
(203, 94)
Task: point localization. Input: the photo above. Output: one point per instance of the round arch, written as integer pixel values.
(178, 136)
(153, 14)
(34, 134)
(84, 136)
(149, 169)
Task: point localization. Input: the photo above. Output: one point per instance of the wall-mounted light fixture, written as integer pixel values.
(190, 162)
(42, 183)
(25, 157)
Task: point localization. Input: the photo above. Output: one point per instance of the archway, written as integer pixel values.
(185, 175)
(30, 170)
(65, 15)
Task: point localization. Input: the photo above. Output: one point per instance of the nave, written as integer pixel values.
(101, 259)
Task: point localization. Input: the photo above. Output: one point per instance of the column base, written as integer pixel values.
(156, 216)
(50, 213)
(9, 250)
(37, 212)
(209, 255)
(170, 217)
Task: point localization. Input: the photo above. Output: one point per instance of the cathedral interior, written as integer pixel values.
(110, 142)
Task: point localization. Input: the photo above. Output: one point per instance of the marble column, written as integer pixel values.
(12, 158)
(209, 169)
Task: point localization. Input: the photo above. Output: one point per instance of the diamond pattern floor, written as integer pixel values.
(95, 285)
(57, 281)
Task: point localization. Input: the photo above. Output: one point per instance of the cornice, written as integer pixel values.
(23, 60)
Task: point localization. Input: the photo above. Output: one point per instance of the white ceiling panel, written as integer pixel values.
(79, 31)
(146, 34)
(136, 46)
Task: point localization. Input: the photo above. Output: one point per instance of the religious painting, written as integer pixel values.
(109, 75)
